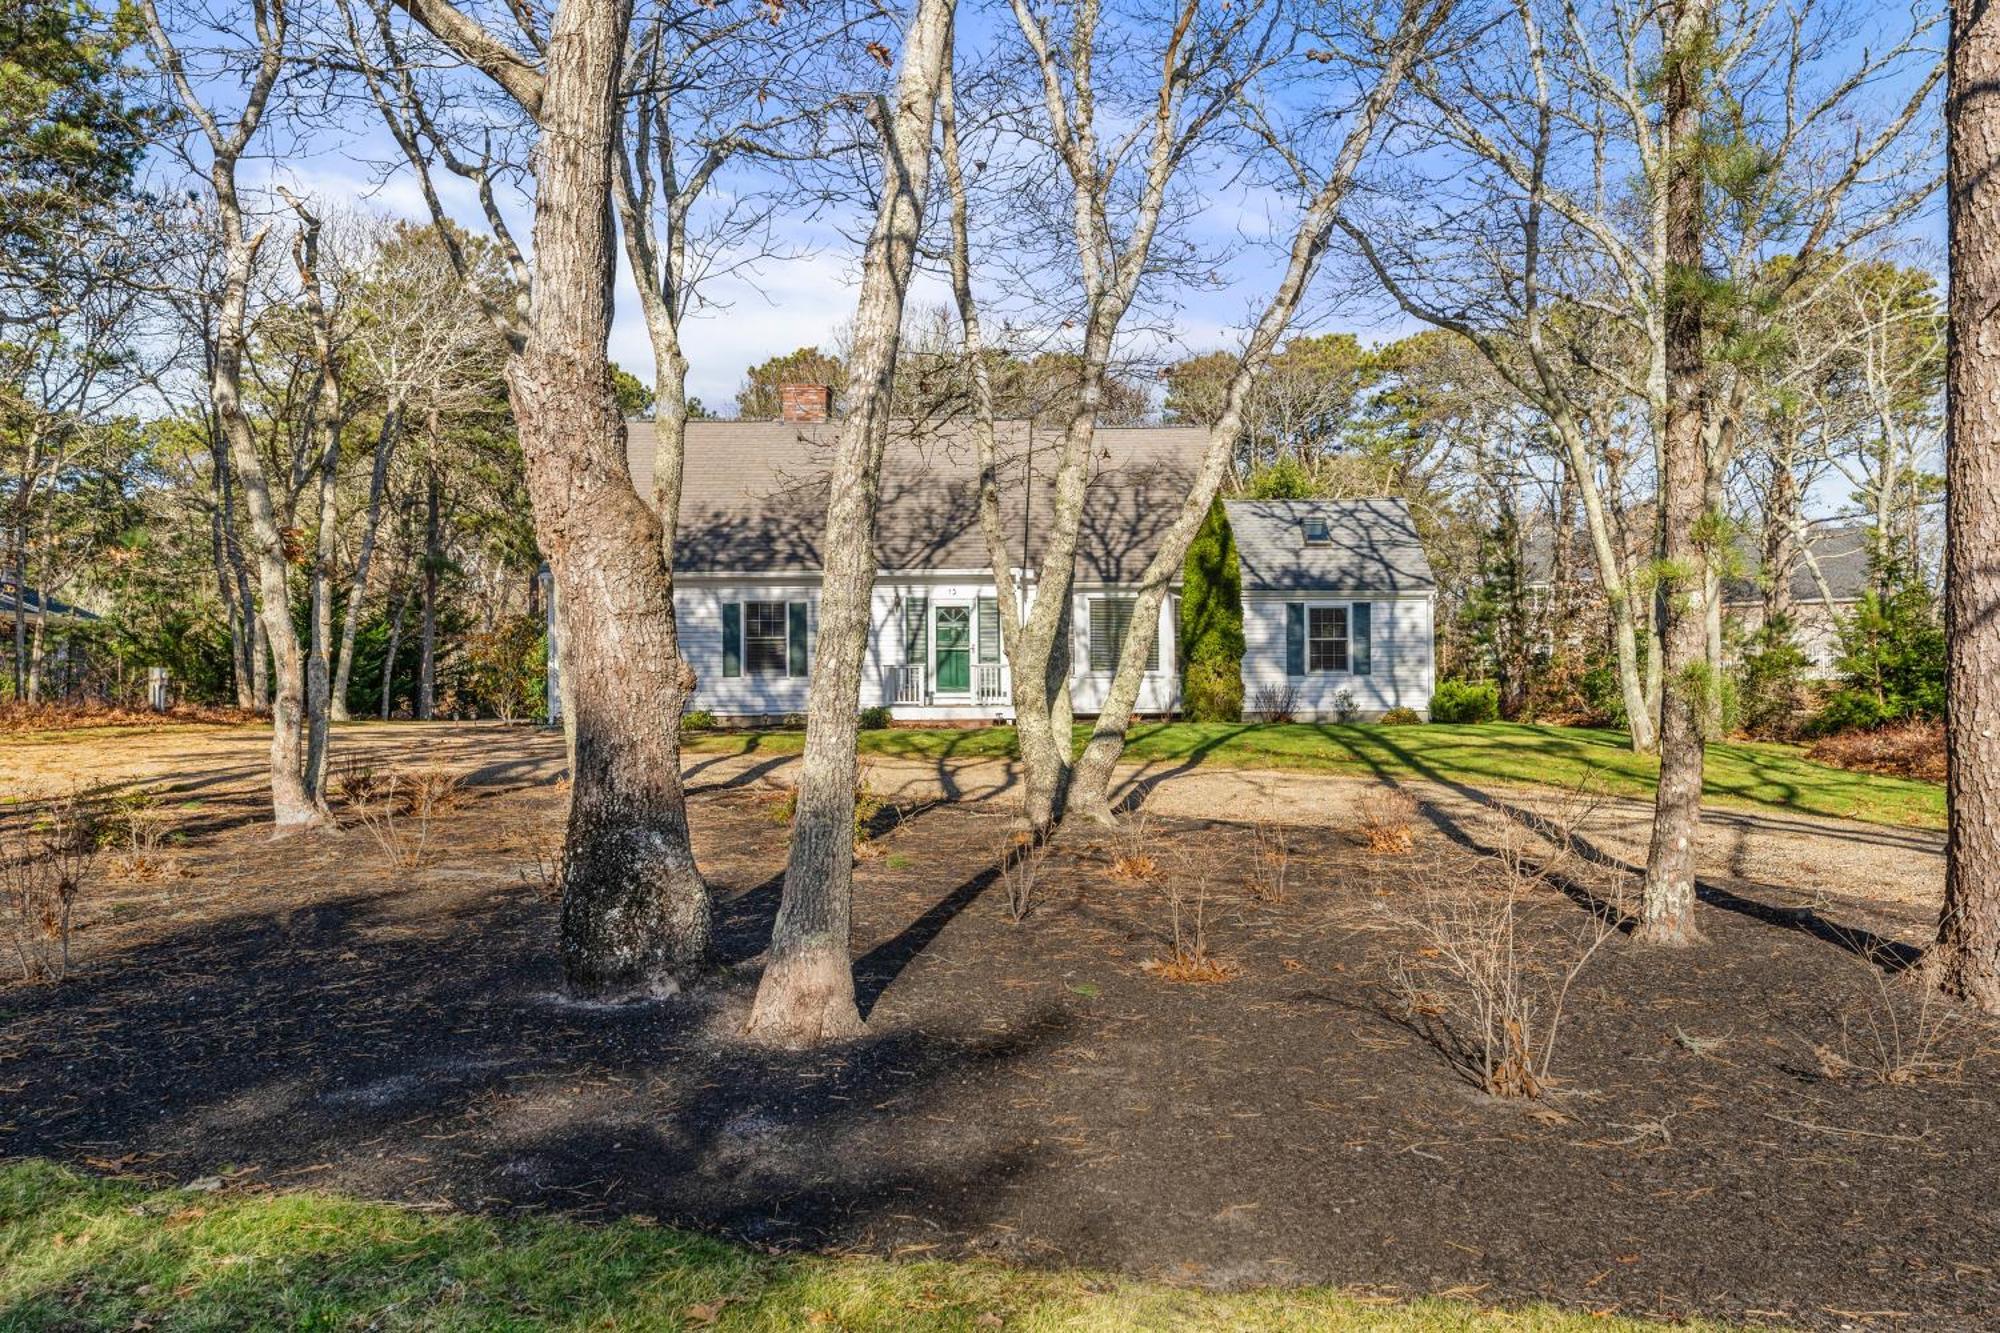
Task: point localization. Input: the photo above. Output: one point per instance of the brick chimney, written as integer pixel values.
(805, 402)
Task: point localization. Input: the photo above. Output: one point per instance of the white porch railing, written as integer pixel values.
(910, 684)
(990, 683)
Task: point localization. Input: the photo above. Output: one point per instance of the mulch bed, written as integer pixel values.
(304, 1014)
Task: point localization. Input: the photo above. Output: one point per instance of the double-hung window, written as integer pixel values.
(1110, 622)
(764, 639)
(1329, 638)
(1326, 638)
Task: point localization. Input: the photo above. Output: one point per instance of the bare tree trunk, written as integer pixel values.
(36, 638)
(327, 409)
(357, 588)
(1667, 901)
(1967, 953)
(433, 556)
(1781, 545)
(293, 804)
(20, 611)
(807, 993)
(241, 662)
(635, 912)
(1090, 787)
(395, 643)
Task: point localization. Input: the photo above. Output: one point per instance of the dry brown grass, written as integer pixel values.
(1021, 874)
(139, 827)
(1900, 750)
(545, 868)
(1906, 1031)
(1496, 950)
(1387, 817)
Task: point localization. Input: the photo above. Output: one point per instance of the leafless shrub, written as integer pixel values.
(1272, 864)
(1483, 991)
(44, 871)
(1134, 859)
(545, 870)
(1345, 709)
(1188, 958)
(1387, 814)
(357, 783)
(400, 807)
(1906, 1032)
(139, 825)
(1021, 874)
(1275, 703)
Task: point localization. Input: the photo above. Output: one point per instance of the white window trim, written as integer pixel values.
(1348, 605)
(744, 671)
(1159, 648)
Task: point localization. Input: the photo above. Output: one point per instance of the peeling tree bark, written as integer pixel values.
(1667, 901)
(1967, 955)
(807, 993)
(635, 913)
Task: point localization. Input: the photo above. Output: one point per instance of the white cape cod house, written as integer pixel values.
(1337, 596)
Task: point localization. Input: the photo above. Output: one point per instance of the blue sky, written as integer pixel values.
(806, 300)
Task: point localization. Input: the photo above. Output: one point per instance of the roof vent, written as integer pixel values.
(1319, 532)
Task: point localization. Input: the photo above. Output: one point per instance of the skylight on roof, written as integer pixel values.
(1318, 531)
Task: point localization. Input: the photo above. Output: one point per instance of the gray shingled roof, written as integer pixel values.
(753, 495)
(1373, 547)
(1842, 554)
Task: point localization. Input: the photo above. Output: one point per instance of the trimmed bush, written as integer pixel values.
(1401, 717)
(875, 719)
(697, 719)
(1211, 625)
(1463, 701)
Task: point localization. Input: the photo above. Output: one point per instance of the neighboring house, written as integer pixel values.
(52, 666)
(14, 602)
(1829, 574)
(747, 571)
(1827, 581)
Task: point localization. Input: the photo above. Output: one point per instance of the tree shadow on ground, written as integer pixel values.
(1889, 954)
(303, 1039)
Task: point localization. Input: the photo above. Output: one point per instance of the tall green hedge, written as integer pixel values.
(1211, 629)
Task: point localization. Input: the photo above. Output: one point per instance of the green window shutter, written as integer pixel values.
(732, 638)
(989, 630)
(1295, 638)
(916, 631)
(795, 639)
(1359, 657)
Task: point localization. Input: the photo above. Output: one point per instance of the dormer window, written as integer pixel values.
(1319, 532)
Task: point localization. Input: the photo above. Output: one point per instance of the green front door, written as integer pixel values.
(954, 649)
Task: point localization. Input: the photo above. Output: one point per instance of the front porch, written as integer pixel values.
(919, 693)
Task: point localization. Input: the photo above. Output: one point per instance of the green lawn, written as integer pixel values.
(82, 1253)
(1740, 773)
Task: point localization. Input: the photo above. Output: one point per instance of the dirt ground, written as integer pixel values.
(1776, 1126)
